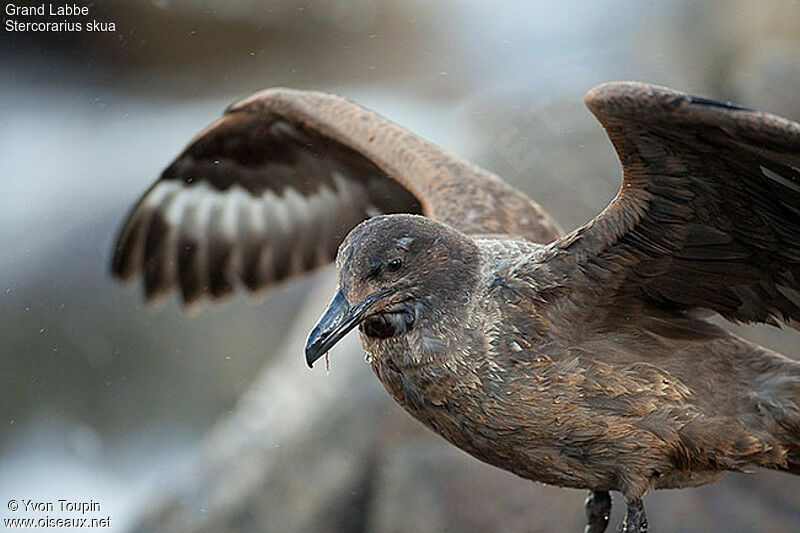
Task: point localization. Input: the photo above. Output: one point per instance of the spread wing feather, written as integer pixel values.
(269, 191)
(708, 214)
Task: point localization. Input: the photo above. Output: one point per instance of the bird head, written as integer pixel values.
(396, 273)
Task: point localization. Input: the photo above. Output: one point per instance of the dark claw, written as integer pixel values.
(635, 519)
(598, 511)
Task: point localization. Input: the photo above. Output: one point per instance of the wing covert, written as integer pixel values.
(269, 191)
(708, 214)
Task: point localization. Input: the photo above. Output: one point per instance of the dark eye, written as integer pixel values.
(393, 265)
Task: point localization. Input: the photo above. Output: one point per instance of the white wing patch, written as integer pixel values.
(247, 235)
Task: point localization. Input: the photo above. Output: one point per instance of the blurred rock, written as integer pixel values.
(767, 77)
(294, 456)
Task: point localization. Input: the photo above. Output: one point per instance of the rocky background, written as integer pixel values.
(213, 422)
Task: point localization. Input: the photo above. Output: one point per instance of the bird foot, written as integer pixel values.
(598, 510)
(635, 520)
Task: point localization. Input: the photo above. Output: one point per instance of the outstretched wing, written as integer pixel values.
(270, 190)
(708, 214)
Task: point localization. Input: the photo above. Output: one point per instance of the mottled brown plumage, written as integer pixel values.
(581, 361)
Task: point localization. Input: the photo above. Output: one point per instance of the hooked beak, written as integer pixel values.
(337, 321)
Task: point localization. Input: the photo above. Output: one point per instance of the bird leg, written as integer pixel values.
(598, 510)
(635, 520)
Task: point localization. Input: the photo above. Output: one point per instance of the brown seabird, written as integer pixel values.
(582, 360)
